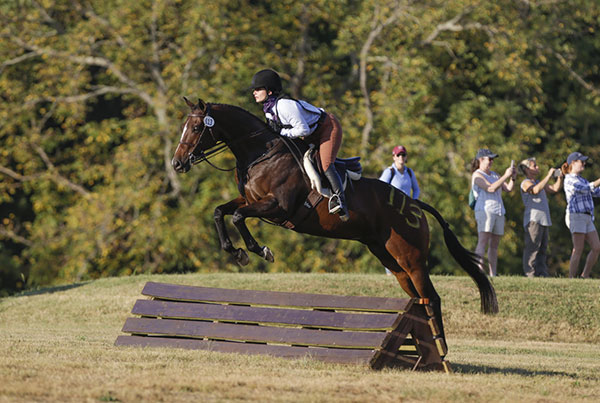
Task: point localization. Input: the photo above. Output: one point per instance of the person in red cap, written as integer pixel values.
(399, 175)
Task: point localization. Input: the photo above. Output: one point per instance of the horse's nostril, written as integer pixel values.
(176, 164)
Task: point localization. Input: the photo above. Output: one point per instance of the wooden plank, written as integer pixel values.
(425, 342)
(391, 344)
(441, 346)
(435, 331)
(246, 314)
(402, 361)
(261, 322)
(352, 356)
(274, 298)
(239, 332)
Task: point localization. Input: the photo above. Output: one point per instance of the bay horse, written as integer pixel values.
(274, 187)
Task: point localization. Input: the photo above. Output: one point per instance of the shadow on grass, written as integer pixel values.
(480, 369)
(50, 290)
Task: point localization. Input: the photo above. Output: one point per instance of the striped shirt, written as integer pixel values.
(579, 193)
(490, 202)
(536, 206)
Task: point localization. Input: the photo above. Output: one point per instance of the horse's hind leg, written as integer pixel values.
(425, 287)
(227, 209)
(422, 282)
(388, 261)
(414, 262)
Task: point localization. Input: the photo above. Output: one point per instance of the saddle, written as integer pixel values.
(347, 168)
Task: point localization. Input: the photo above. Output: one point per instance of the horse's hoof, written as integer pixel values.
(242, 257)
(267, 254)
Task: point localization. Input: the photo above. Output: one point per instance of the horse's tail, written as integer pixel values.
(468, 260)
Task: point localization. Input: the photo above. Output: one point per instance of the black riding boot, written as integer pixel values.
(337, 202)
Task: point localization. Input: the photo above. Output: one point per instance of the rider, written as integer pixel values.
(294, 118)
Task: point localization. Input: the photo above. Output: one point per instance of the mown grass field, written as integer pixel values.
(56, 344)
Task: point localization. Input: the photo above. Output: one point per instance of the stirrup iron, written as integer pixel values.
(336, 207)
(335, 204)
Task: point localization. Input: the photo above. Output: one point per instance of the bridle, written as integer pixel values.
(197, 157)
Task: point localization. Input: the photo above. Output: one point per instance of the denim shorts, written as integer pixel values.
(579, 223)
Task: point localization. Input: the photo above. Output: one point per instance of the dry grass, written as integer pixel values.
(57, 345)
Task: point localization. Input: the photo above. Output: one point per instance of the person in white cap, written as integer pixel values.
(536, 217)
(489, 209)
(579, 215)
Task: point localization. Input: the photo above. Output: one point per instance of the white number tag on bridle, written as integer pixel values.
(209, 121)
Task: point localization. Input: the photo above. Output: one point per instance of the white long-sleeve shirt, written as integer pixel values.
(300, 115)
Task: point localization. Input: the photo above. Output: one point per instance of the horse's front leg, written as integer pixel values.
(227, 209)
(264, 208)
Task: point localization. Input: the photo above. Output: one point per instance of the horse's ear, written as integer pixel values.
(202, 105)
(188, 102)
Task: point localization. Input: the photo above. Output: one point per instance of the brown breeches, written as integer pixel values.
(329, 137)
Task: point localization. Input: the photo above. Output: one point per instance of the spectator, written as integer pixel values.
(536, 218)
(579, 216)
(489, 209)
(399, 175)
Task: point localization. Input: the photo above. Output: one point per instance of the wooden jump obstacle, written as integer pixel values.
(379, 332)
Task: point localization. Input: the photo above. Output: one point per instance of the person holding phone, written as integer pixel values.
(536, 217)
(489, 209)
(579, 216)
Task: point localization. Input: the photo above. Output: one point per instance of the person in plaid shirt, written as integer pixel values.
(580, 213)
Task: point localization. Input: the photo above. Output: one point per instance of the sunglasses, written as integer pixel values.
(401, 154)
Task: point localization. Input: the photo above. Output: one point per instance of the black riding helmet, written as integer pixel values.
(267, 79)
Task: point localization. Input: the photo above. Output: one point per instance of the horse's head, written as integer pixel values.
(197, 136)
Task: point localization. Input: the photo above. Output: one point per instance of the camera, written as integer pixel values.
(557, 173)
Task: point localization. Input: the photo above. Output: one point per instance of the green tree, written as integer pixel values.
(91, 114)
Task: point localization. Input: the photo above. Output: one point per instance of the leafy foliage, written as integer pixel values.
(91, 111)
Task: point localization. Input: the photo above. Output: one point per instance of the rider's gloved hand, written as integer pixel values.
(274, 125)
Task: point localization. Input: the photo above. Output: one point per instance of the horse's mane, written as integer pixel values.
(240, 109)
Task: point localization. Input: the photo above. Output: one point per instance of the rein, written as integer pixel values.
(295, 153)
(220, 146)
